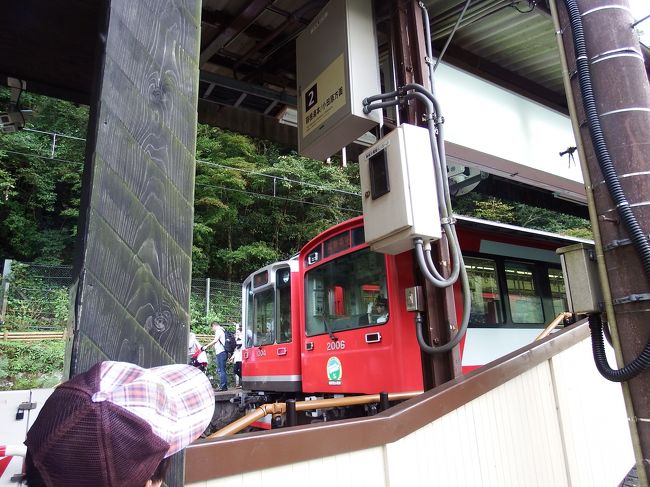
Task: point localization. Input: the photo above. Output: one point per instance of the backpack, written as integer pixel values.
(229, 342)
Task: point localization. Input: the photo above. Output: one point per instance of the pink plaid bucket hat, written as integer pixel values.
(113, 425)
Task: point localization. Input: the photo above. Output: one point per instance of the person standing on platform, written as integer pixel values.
(221, 356)
(236, 360)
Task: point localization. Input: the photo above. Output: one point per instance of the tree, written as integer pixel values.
(257, 202)
(40, 183)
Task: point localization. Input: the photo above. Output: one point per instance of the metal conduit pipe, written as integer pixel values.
(552, 325)
(469, 18)
(245, 421)
(280, 408)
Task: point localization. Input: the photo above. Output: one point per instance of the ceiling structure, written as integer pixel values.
(247, 60)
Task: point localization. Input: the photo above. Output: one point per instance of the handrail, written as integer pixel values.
(281, 408)
(30, 336)
(553, 324)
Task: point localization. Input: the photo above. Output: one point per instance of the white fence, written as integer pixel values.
(557, 423)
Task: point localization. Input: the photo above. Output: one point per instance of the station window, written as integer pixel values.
(343, 293)
(523, 295)
(484, 287)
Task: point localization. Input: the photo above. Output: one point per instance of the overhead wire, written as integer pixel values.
(252, 193)
(209, 163)
(270, 196)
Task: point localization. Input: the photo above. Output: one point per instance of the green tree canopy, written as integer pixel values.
(255, 202)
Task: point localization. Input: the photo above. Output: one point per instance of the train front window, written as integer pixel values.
(346, 293)
(558, 293)
(484, 286)
(523, 296)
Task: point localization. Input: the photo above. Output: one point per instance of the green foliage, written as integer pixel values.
(33, 303)
(31, 365)
(493, 209)
(40, 183)
(256, 203)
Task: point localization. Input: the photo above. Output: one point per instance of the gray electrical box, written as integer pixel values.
(398, 190)
(337, 67)
(581, 278)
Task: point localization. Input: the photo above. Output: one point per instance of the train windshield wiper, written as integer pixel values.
(333, 337)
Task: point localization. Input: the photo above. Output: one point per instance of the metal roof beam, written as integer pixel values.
(248, 88)
(231, 31)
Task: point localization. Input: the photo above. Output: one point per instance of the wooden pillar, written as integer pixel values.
(410, 50)
(622, 101)
(130, 301)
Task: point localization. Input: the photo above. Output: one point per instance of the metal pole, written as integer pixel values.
(292, 415)
(207, 296)
(622, 94)
(384, 403)
(6, 272)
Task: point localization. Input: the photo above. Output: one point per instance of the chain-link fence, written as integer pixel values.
(35, 297)
(223, 298)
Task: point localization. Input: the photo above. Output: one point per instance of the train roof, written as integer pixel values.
(479, 224)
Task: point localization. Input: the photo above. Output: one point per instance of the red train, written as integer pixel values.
(314, 325)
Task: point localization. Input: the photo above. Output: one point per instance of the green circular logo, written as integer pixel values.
(334, 370)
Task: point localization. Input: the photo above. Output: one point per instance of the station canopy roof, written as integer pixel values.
(247, 60)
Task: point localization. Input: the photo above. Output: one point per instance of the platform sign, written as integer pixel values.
(324, 96)
(337, 66)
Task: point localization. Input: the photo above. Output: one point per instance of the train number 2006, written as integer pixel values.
(337, 345)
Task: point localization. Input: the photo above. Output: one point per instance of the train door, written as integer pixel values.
(271, 358)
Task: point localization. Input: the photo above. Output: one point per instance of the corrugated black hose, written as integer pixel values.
(626, 215)
(628, 372)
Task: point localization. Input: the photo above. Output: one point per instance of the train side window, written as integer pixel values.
(558, 293)
(250, 317)
(264, 318)
(523, 295)
(283, 280)
(486, 297)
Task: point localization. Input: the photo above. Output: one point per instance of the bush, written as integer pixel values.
(31, 365)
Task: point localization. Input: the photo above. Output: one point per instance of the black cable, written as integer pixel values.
(629, 371)
(531, 6)
(639, 240)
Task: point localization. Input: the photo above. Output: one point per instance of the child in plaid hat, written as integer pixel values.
(116, 425)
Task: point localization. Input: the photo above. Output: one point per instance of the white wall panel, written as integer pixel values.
(507, 437)
(596, 434)
(487, 118)
(364, 467)
(557, 424)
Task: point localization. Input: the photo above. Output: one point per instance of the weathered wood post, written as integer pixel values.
(133, 269)
(621, 102)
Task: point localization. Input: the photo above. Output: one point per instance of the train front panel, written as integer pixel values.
(271, 355)
(358, 336)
